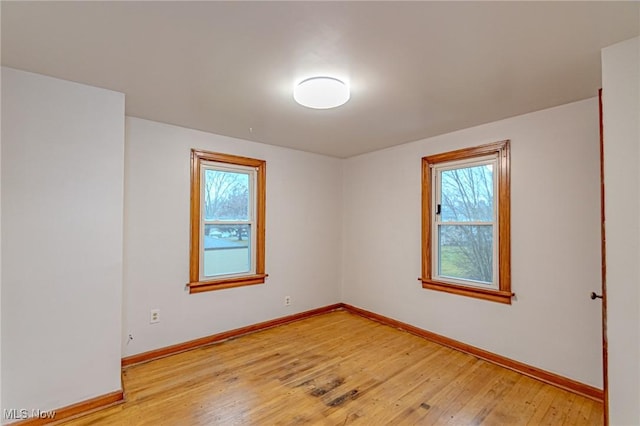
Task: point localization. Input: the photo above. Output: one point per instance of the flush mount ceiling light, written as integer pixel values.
(321, 93)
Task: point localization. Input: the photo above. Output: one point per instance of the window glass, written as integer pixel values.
(227, 249)
(466, 214)
(466, 252)
(227, 237)
(467, 194)
(226, 195)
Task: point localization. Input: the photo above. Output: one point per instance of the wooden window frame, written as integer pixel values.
(503, 294)
(196, 285)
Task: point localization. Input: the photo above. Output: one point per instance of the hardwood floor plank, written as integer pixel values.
(335, 369)
(517, 404)
(541, 403)
(460, 394)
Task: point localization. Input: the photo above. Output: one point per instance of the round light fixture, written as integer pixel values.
(321, 92)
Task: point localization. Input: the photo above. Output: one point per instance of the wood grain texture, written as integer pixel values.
(603, 253)
(517, 366)
(503, 151)
(504, 217)
(81, 408)
(195, 285)
(194, 236)
(427, 241)
(202, 286)
(479, 293)
(336, 369)
(203, 341)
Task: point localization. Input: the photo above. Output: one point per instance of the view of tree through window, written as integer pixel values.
(227, 227)
(227, 237)
(466, 214)
(226, 195)
(465, 232)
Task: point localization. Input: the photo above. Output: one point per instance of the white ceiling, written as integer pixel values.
(416, 69)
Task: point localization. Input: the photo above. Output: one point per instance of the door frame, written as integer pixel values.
(605, 351)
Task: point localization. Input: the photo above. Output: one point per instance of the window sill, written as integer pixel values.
(498, 296)
(202, 286)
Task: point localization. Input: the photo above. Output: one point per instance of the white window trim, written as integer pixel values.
(251, 171)
(436, 223)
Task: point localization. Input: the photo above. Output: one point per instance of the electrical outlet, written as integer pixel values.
(155, 316)
(287, 300)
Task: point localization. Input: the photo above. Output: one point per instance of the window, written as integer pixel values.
(227, 221)
(466, 222)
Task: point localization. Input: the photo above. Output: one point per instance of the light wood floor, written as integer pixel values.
(336, 369)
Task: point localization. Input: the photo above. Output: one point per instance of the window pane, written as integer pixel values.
(227, 249)
(226, 195)
(466, 252)
(467, 194)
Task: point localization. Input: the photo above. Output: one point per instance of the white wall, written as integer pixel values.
(1, 404)
(62, 190)
(621, 115)
(303, 227)
(555, 240)
(62, 202)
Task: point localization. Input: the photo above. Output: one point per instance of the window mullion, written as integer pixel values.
(235, 187)
(435, 221)
(439, 226)
(465, 257)
(467, 223)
